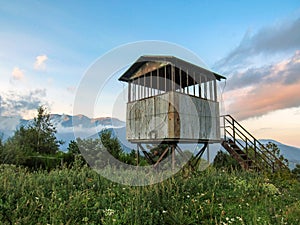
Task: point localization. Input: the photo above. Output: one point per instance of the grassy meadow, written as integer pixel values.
(79, 195)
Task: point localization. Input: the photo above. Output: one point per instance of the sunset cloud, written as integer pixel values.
(17, 74)
(258, 91)
(40, 62)
(263, 71)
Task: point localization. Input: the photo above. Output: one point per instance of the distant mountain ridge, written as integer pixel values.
(65, 124)
(84, 121)
(11, 123)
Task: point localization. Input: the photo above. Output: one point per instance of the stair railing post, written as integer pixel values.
(247, 146)
(224, 127)
(255, 151)
(233, 129)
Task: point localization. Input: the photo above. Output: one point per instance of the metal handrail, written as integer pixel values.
(236, 128)
(257, 148)
(239, 143)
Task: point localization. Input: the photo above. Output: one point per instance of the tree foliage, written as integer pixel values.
(225, 161)
(272, 147)
(296, 171)
(34, 145)
(73, 148)
(43, 133)
(103, 151)
(111, 144)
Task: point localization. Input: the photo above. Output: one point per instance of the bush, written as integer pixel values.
(225, 161)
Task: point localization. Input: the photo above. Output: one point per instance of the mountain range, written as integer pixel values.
(86, 127)
(67, 126)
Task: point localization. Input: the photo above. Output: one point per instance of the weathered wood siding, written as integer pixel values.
(173, 116)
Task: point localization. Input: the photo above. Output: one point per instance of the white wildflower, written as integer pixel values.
(109, 212)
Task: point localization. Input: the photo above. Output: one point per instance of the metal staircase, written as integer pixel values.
(246, 149)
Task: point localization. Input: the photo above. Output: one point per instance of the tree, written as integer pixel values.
(31, 143)
(296, 171)
(111, 144)
(17, 147)
(272, 147)
(73, 156)
(1, 145)
(73, 148)
(93, 152)
(43, 133)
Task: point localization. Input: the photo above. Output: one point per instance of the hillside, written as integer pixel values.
(81, 196)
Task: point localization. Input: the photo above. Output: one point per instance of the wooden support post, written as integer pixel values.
(146, 154)
(138, 155)
(208, 153)
(157, 81)
(136, 92)
(194, 87)
(173, 77)
(173, 157)
(180, 80)
(199, 154)
(133, 91)
(199, 86)
(161, 157)
(165, 78)
(144, 86)
(138, 87)
(205, 88)
(210, 90)
(129, 91)
(215, 91)
(187, 82)
(151, 84)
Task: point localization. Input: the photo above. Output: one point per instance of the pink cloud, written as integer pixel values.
(277, 87)
(17, 74)
(40, 62)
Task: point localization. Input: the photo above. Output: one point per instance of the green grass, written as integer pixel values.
(81, 196)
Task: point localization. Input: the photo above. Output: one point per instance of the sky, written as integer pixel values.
(46, 47)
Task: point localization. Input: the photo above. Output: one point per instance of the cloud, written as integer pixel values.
(257, 84)
(258, 91)
(278, 38)
(18, 104)
(286, 71)
(40, 62)
(17, 74)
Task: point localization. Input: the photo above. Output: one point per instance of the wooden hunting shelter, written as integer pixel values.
(171, 100)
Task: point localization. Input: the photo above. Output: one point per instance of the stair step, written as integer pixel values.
(243, 158)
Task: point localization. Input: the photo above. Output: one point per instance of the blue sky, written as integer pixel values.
(47, 46)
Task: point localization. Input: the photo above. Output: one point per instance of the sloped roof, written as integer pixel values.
(149, 63)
